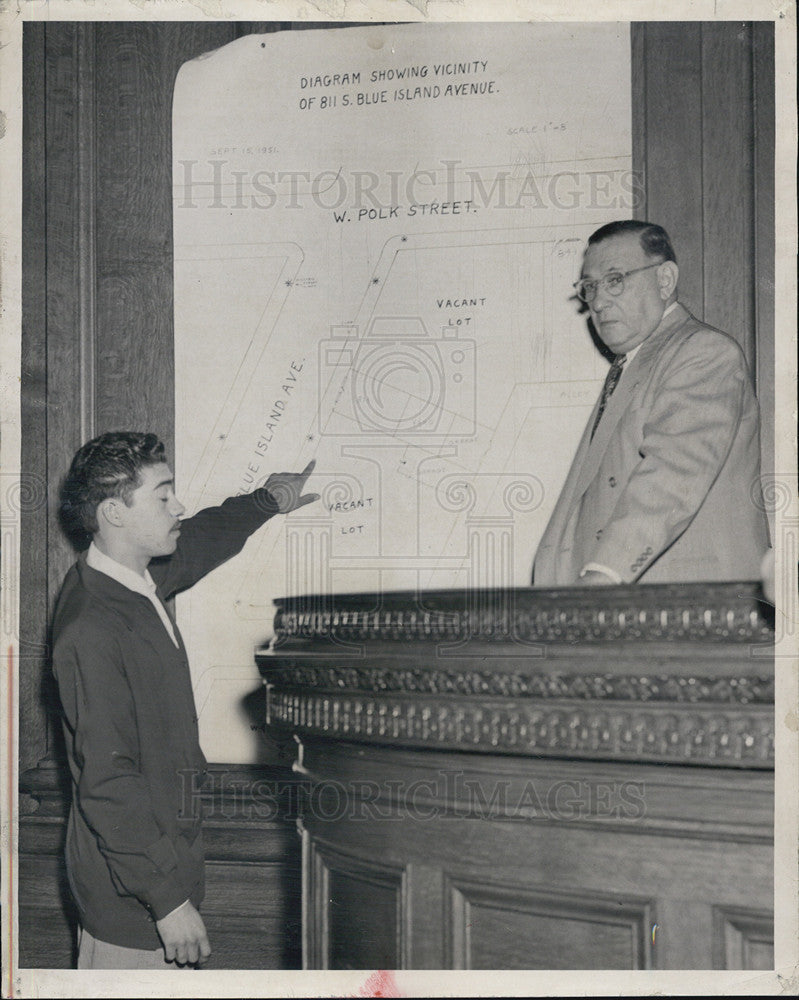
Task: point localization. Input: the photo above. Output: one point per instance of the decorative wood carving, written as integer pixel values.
(689, 612)
(589, 687)
(657, 734)
(581, 679)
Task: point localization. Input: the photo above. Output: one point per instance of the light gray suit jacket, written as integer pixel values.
(668, 490)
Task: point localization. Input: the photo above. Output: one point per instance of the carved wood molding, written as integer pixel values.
(706, 613)
(710, 735)
(667, 673)
(530, 683)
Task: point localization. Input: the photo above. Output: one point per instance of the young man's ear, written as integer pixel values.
(108, 512)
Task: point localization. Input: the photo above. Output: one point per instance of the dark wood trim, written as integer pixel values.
(728, 180)
(741, 936)
(57, 335)
(243, 28)
(674, 801)
(464, 896)
(638, 85)
(33, 486)
(764, 237)
(87, 231)
(137, 63)
(69, 207)
(323, 865)
(670, 123)
(703, 120)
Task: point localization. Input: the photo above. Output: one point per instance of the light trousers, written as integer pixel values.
(94, 954)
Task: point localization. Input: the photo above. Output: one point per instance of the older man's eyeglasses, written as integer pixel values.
(613, 283)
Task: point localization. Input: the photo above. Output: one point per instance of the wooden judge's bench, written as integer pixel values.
(532, 779)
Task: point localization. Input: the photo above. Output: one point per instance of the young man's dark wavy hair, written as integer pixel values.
(107, 466)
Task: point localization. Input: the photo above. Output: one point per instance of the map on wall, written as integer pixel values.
(377, 231)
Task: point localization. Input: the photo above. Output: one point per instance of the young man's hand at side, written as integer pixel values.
(184, 937)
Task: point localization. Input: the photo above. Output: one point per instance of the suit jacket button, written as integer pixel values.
(599, 534)
(612, 481)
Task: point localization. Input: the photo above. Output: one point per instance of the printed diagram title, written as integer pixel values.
(324, 91)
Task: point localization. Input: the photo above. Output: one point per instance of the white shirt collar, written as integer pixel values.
(631, 354)
(122, 574)
(668, 309)
(144, 585)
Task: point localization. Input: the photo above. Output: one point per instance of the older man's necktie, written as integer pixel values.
(611, 381)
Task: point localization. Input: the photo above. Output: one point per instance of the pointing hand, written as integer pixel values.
(286, 488)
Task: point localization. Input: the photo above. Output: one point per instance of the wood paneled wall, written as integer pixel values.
(97, 339)
(703, 149)
(97, 292)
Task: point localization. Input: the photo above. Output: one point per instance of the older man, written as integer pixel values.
(665, 483)
(134, 842)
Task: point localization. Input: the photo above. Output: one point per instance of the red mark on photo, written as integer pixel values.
(380, 984)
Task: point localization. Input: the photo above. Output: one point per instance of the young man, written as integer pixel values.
(134, 844)
(665, 484)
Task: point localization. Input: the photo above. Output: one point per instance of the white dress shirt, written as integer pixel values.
(129, 578)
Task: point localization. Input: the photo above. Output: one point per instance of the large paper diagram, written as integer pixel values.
(376, 235)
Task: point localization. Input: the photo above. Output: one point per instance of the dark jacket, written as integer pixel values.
(134, 847)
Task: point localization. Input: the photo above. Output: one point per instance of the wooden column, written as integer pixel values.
(703, 151)
(696, 139)
(33, 514)
(57, 334)
(763, 263)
